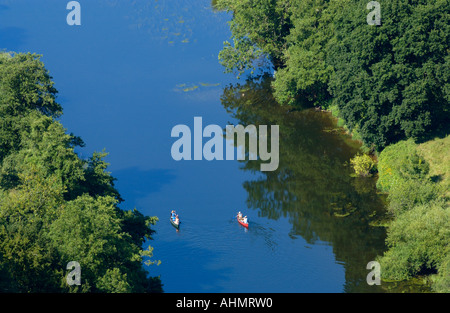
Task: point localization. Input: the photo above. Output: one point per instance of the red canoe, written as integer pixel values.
(242, 223)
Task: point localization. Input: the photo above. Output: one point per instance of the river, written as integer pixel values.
(132, 71)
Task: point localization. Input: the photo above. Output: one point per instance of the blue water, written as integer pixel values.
(125, 78)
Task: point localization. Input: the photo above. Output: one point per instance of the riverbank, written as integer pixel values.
(417, 179)
(370, 78)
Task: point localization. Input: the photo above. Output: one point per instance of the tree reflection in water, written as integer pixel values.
(313, 186)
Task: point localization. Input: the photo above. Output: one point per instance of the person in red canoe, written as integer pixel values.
(239, 216)
(244, 220)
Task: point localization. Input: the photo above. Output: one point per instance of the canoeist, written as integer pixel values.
(245, 220)
(239, 216)
(177, 220)
(173, 215)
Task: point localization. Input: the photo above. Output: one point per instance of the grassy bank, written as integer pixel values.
(417, 178)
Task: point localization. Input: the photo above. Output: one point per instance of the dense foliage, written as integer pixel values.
(54, 206)
(259, 28)
(388, 82)
(419, 234)
(391, 82)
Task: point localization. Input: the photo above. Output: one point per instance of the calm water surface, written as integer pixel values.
(135, 69)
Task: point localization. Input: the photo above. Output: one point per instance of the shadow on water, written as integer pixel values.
(189, 267)
(135, 183)
(13, 36)
(312, 186)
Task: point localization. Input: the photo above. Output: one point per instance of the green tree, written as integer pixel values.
(388, 82)
(25, 85)
(305, 77)
(97, 180)
(391, 82)
(26, 213)
(258, 28)
(44, 144)
(90, 231)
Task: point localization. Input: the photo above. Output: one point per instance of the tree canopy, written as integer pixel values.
(388, 82)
